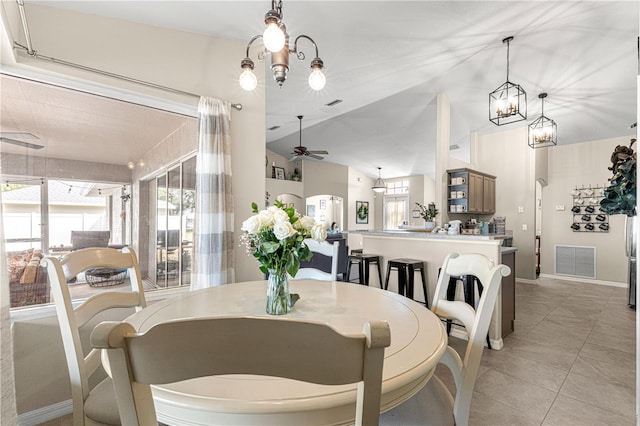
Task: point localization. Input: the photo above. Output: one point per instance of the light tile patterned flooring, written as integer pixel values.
(571, 360)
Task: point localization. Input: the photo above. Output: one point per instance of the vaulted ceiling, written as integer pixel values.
(387, 61)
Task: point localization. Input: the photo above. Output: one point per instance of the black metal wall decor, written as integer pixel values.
(588, 216)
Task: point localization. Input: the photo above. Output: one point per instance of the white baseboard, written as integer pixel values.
(584, 280)
(525, 280)
(44, 414)
(496, 344)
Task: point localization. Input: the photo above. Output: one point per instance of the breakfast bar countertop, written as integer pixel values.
(414, 233)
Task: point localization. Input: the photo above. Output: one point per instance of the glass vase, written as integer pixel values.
(278, 298)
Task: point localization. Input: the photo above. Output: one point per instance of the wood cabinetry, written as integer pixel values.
(470, 191)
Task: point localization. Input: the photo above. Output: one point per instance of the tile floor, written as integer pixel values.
(571, 360)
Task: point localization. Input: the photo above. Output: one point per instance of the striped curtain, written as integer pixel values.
(7, 386)
(213, 260)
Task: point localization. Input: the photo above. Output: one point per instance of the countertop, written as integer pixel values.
(428, 235)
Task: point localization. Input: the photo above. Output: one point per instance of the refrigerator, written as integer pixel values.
(631, 244)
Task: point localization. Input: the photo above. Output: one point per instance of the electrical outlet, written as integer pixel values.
(560, 208)
(524, 226)
(520, 209)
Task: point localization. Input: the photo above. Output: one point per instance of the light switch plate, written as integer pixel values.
(560, 208)
(520, 209)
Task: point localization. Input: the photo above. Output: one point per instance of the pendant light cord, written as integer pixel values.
(508, 42)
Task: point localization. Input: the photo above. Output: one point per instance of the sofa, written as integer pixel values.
(28, 281)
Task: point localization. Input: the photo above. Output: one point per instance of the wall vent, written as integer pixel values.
(576, 261)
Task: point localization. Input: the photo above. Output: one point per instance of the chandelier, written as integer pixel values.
(543, 131)
(508, 103)
(379, 185)
(276, 42)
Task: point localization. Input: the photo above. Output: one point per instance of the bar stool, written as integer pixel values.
(364, 261)
(469, 282)
(406, 269)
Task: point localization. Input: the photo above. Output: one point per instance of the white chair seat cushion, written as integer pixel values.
(101, 405)
(433, 405)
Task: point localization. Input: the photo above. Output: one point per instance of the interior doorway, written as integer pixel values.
(327, 210)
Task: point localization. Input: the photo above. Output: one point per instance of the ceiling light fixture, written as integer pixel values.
(543, 131)
(276, 42)
(379, 185)
(508, 103)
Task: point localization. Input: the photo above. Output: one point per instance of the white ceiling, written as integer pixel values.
(387, 60)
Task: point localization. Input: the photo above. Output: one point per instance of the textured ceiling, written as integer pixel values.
(387, 60)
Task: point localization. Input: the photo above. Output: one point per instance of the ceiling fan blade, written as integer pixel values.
(294, 158)
(323, 152)
(20, 143)
(317, 157)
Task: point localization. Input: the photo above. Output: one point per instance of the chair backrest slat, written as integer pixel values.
(71, 319)
(302, 350)
(326, 249)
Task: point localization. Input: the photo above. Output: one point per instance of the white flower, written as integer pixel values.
(318, 233)
(283, 230)
(266, 217)
(252, 225)
(307, 222)
(280, 216)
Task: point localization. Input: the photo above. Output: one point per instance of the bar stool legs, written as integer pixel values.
(364, 262)
(406, 270)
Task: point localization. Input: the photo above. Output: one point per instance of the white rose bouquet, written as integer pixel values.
(275, 237)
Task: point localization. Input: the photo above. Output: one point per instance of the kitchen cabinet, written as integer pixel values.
(471, 191)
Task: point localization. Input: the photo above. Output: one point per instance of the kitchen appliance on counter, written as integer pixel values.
(454, 227)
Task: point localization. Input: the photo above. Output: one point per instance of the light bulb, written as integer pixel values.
(248, 80)
(141, 162)
(131, 165)
(273, 37)
(317, 79)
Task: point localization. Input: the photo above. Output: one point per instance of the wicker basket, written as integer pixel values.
(104, 277)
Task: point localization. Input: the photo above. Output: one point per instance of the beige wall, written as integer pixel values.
(579, 165)
(507, 156)
(194, 63)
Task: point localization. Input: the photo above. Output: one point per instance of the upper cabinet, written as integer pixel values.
(471, 191)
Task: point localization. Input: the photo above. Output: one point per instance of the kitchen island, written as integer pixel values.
(432, 249)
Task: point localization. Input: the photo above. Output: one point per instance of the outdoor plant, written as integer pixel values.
(428, 212)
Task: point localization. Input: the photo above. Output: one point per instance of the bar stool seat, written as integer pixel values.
(406, 269)
(364, 262)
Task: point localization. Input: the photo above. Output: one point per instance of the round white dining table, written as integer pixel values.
(418, 341)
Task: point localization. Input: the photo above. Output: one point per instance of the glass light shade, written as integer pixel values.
(317, 79)
(379, 186)
(248, 80)
(131, 165)
(273, 37)
(543, 132)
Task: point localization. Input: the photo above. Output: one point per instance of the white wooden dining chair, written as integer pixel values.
(434, 404)
(180, 350)
(326, 249)
(95, 405)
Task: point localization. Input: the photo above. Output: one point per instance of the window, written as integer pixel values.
(396, 211)
(400, 186)
(175, 201)
(39, 216)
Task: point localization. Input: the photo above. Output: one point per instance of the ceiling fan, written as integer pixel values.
(4, 137)
(300, 152)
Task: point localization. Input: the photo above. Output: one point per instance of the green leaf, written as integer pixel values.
(254, 207)
(293, 264)
(270, 247)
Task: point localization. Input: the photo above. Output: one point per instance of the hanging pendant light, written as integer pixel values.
(508, 103)
(276, 44)
(379, 185)
(543, 131)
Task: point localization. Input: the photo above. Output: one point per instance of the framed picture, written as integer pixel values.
(279, 172)
(362, 212)
(323, 204)
(311, 210)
